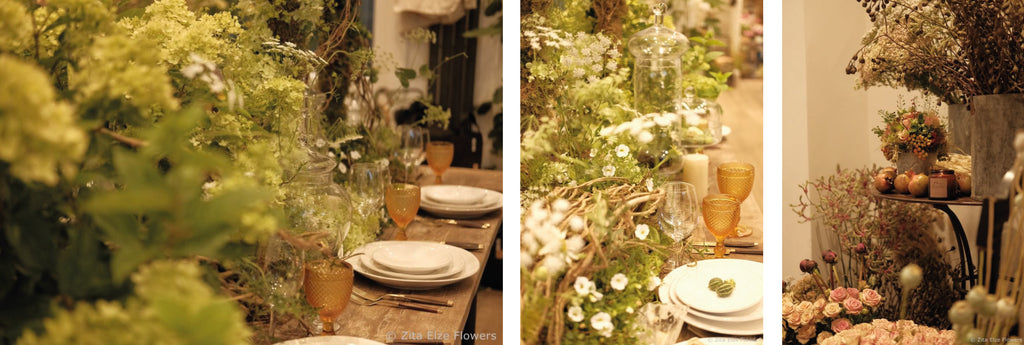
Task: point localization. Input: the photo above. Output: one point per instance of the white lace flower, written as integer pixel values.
(583, 285)
(622, 150)
(629, 310)
(342, 168)
(653, 283)
(645, 137)
(575, 313)
(606, 131)
(595, 296)
(619, 281)
(642, 231)
(608, 171)
(576, 223)
(561, 205)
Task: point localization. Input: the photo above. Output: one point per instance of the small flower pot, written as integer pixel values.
(908, 160)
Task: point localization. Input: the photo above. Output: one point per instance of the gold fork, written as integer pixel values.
(360, 300)
(408, 298)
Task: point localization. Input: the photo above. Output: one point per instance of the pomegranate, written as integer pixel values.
(890, 172)
(918, 186)
(902, 182)
(964, 182)
(883, 183)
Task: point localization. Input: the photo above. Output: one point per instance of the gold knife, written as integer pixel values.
(728, 243)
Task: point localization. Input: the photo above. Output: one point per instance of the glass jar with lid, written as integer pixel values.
(323, 206)
(701, 120)
(657, 71)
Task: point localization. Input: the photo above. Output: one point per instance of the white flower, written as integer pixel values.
(575, 313)
(575, 244)
(642, 231)
(608, 171)
(622, 150)
(555, 264)
(619, 281)
(645, 137)
(355, 155)
(663, 120)
(342, 168)
(629, 310)
(596, 296)
(576, 223)
(606, 131)
(601, 321)
(561, 205)
(583, 285)
(525, 259)
(653, 283)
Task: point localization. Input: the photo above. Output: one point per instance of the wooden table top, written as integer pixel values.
(961, 201)
(383, 323)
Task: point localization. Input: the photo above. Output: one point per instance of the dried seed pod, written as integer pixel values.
(725, 290)
(714, 283)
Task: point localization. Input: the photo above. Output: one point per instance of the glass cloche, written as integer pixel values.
(701, 120)
(657, 71)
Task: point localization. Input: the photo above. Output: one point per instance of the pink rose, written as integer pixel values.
(810, 316)
(787, 308)
(793, 320)
(852, 292)
(838, 295)
(853, 306)
(931, 120)
(805, 334)
(832, 310)
(839, 325)
(904, 134)
(870, 298)
(819, 305)
(824, 336)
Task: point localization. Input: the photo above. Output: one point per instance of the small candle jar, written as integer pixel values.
(942, 184)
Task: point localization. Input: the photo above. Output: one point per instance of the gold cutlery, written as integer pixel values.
(465, 223)
(393, 304)
(402, 297)
(464, 245)
(728, 243)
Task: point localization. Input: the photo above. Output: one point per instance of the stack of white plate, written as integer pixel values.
(462, 202)
(737, 314)
(413, 265)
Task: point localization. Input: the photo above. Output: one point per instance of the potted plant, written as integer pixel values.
(911, 138)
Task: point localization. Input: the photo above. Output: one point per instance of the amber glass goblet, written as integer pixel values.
(439, 157)
(328, 285)
(721, 214)
(403, 201)
(736, 179)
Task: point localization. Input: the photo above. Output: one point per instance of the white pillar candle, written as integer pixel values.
(695, 172)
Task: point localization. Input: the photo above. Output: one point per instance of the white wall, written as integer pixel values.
(387, 38)
(826, 121)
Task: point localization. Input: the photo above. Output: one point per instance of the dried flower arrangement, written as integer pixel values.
(908, 129)
(875, 238)
(953, 49)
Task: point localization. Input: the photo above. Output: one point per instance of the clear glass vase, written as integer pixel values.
(328, 205)
(657, 69)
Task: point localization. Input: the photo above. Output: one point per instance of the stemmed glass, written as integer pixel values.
(328, 285)
(678, 214)
(283, 273)
(411, 149)
(736, 179)
(403, 200)
(721, 214)
(660, 323)
(368, 182)
(439, 157)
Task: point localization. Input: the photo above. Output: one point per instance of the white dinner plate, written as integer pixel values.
(692, 285)
(719, 341)
(454, 194)
(452, 270)
(330, 340)
(411, 257)
(470, 266)
(755, 327)
(666, 293)
(490, 203)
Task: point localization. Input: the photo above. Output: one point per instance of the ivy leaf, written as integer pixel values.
(404, 75)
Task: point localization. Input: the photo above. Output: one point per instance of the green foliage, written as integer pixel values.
(170, 305)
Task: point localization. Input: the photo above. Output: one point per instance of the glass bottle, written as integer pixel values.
(328, 207)
(657, 70)
(701, 120)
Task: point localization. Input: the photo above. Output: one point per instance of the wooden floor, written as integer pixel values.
(743, 111)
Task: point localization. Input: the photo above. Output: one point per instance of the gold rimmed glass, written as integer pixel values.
(721, 214)
(439, 157)
(736, 179)
(403, 201)
(328, 286)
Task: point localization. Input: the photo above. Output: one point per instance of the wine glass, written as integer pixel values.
(677, 216)
(736, 179)
(368, 182)
(660, 323)
(328, 285)
(411, 149)
(403, 200)
(439, 157)
(721, 214)
(283, 272)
